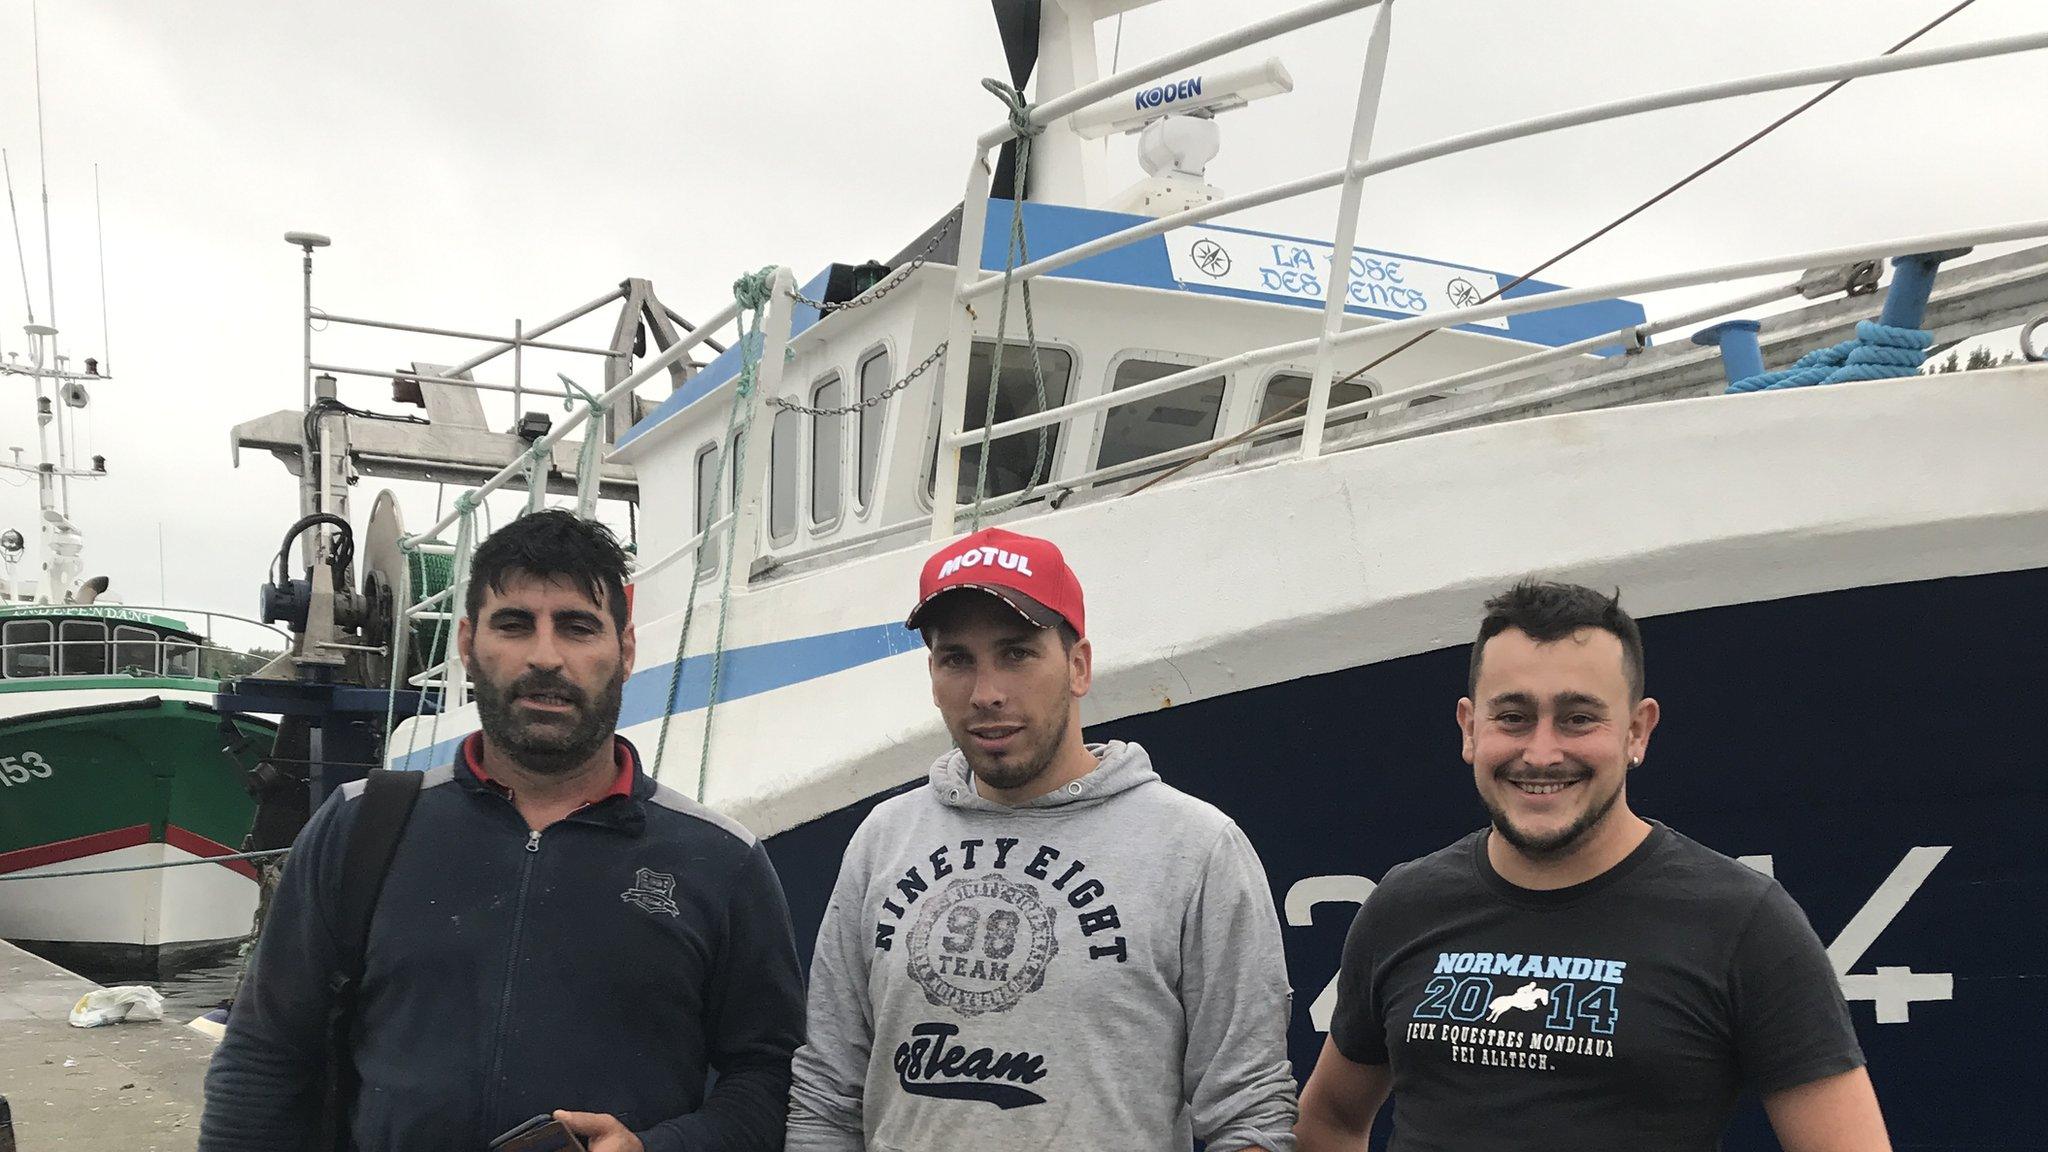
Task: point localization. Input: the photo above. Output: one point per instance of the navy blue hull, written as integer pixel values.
(1853, 737)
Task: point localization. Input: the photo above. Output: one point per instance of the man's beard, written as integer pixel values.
(1561, 843)
(542, 748)
(1013, 772)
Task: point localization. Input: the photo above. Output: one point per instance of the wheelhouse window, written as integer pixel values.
(874, 378)
(26, 648)
(82, 648)
(135, 650)
(782, 474)
(826, 434)
(707, 479)
(1288, 390)
(181, 659)
(1162, 423)
(1012, 458)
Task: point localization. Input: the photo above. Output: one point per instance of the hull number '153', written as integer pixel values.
(1891, 989)
(22, 769)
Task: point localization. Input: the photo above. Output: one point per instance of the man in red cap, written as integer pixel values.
(1047, 945)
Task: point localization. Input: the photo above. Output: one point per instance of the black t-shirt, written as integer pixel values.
(1627, 1012)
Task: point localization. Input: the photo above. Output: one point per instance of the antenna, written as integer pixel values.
(43, 170)
(20, 252)
(100, 234)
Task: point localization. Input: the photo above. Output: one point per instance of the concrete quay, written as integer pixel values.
(120, 1088)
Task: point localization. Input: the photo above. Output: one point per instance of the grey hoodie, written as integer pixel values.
(1099, 967)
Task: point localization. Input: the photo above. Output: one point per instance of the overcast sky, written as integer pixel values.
(479, 162)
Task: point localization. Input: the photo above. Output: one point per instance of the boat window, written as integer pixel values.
(1163, 423)
(732, 479)
(181, 659)
(135, 649)
(25, 648)
(1010, 459)
(707, 475)
(1286, 390)
(82, 648)
(874, 377)
(782, 469)
(826, 433)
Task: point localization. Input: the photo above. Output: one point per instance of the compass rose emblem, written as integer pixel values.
(1210, 258)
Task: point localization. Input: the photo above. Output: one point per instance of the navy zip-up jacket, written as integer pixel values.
(603, 964)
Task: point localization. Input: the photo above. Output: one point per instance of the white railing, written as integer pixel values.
(1335, 336)
(775, 331)
(59, 659)
(179, 615)
(1517, 130)
(650, 368)
(1387, 330)
(499, 345)
(686, 548)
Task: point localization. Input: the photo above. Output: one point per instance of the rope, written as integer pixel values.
(1019, 253)
(458, 589)
(537, 461)
(1878, 352)
(751, 292)
(587, 458)
(268, 852)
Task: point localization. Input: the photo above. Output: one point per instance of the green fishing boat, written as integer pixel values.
(111, 755)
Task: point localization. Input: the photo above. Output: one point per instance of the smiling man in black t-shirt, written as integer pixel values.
(1576, 977)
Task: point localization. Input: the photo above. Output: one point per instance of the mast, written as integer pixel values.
(51, 355)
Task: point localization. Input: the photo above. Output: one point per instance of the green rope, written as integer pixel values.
(537, 460)
(588, 458)
(752, 293)
(431, 575)
(1019, 253)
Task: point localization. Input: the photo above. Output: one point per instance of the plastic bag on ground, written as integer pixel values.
(113, 1005)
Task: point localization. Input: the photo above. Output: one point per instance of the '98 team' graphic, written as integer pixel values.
(982, 945)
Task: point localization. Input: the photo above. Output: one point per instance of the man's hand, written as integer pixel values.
(600, 1131)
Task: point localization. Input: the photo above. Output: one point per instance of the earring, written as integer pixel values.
(1635, 762)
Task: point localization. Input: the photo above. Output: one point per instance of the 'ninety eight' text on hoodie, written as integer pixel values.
(1099, 967)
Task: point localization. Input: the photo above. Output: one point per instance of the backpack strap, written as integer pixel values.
(372, 842)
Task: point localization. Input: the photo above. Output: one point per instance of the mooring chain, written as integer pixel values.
(894, 280)
(869, 402)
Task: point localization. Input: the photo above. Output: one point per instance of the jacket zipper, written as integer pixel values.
(511, 971)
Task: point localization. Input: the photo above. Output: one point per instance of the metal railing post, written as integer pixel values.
(959, 345)
(1339, 287)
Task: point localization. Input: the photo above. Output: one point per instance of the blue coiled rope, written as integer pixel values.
(1879, 352)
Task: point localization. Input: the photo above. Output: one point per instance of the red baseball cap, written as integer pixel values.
(1025, 572)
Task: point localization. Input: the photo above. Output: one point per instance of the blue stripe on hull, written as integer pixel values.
(1834, 732)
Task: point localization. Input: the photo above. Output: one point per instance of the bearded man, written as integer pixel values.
(557, 935)
(1046, 945)
(1575, 977)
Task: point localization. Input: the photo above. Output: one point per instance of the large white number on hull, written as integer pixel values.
(1300, 911)
(1891, 989)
